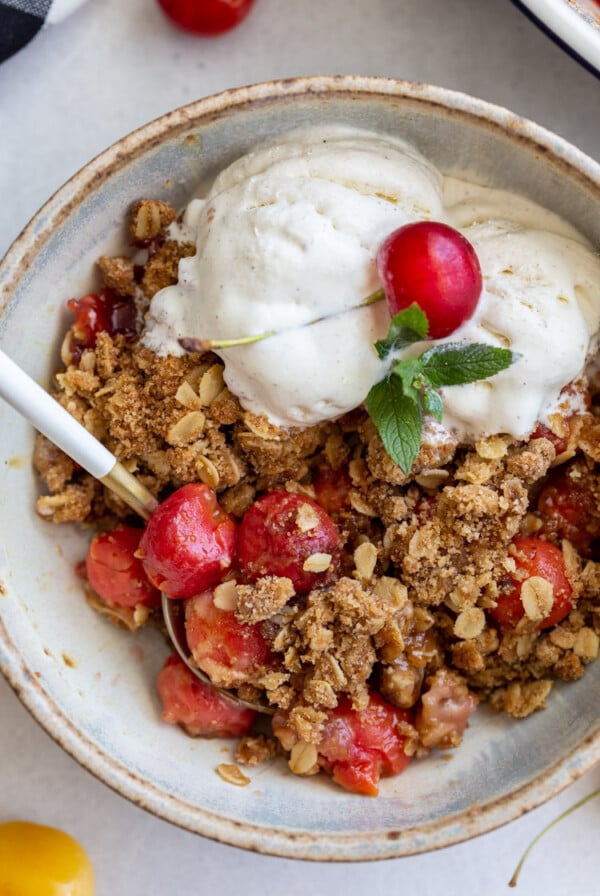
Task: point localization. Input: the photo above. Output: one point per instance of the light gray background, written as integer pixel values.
(114, 65)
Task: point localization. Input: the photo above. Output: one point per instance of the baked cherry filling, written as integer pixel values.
(103, 312)
(371, 604)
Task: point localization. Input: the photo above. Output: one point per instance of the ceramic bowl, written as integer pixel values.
(91, 686)
(573, 24)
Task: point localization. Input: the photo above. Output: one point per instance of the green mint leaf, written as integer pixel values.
(397, 404)
(453, 364)
(432, 403)
(406, 327)
(408, 371)
(399, 420)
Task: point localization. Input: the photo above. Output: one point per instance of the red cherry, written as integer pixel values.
(103, 312)
(206, 16)
(114, 571)
(360, 747)
(189, 542)
(568, 507)
(197, 707)
(228, 651)
(280, 532)
(535, 557)
(434, 266)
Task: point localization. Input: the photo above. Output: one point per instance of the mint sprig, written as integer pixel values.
(408, 326)
(398, 418)
(455, 363)
(398, 403)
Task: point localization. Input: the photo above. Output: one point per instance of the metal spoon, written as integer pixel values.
(50, 418)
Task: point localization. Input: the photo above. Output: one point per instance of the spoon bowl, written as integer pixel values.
(172, 615)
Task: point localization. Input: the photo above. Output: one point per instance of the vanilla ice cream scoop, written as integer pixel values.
(286, 236)
(541, 299)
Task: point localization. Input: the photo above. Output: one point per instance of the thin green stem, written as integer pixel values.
(243, 340)
(586, 799)
(377, 296)
(193, 345)
(198, 346)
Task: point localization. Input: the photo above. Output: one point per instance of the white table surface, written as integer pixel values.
(114, 65)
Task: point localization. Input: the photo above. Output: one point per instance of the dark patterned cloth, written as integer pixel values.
(20, 20)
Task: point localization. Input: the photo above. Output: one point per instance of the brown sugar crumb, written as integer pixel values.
(225, 408)
(590, 579)
(118, 274)
(520, 699)
(329, 646)
(238, 499)
(254, 749)
(569, 667)
(589, 438)
(162, 268)
(547, 653)
(106, 356)
(466, 656)
(148, 218)
(55, 468)
(266, 596)
(458, 552)
(79, 382)
(284, 459)
(532, 462)
(71, 505)
(307, 723)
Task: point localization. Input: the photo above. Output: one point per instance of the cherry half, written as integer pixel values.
(206, 17)
(434, 266)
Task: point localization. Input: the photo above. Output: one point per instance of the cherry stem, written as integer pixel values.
(198, 346)
(586, 799)
(206, 345)
(377, 296)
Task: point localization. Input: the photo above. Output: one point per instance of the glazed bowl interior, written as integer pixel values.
(92, 686)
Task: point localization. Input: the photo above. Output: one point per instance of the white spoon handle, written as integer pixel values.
(51, 419)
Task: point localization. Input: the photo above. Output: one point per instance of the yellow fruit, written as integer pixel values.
(41, 861)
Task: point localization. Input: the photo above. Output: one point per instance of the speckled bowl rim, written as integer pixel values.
(479, 819)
